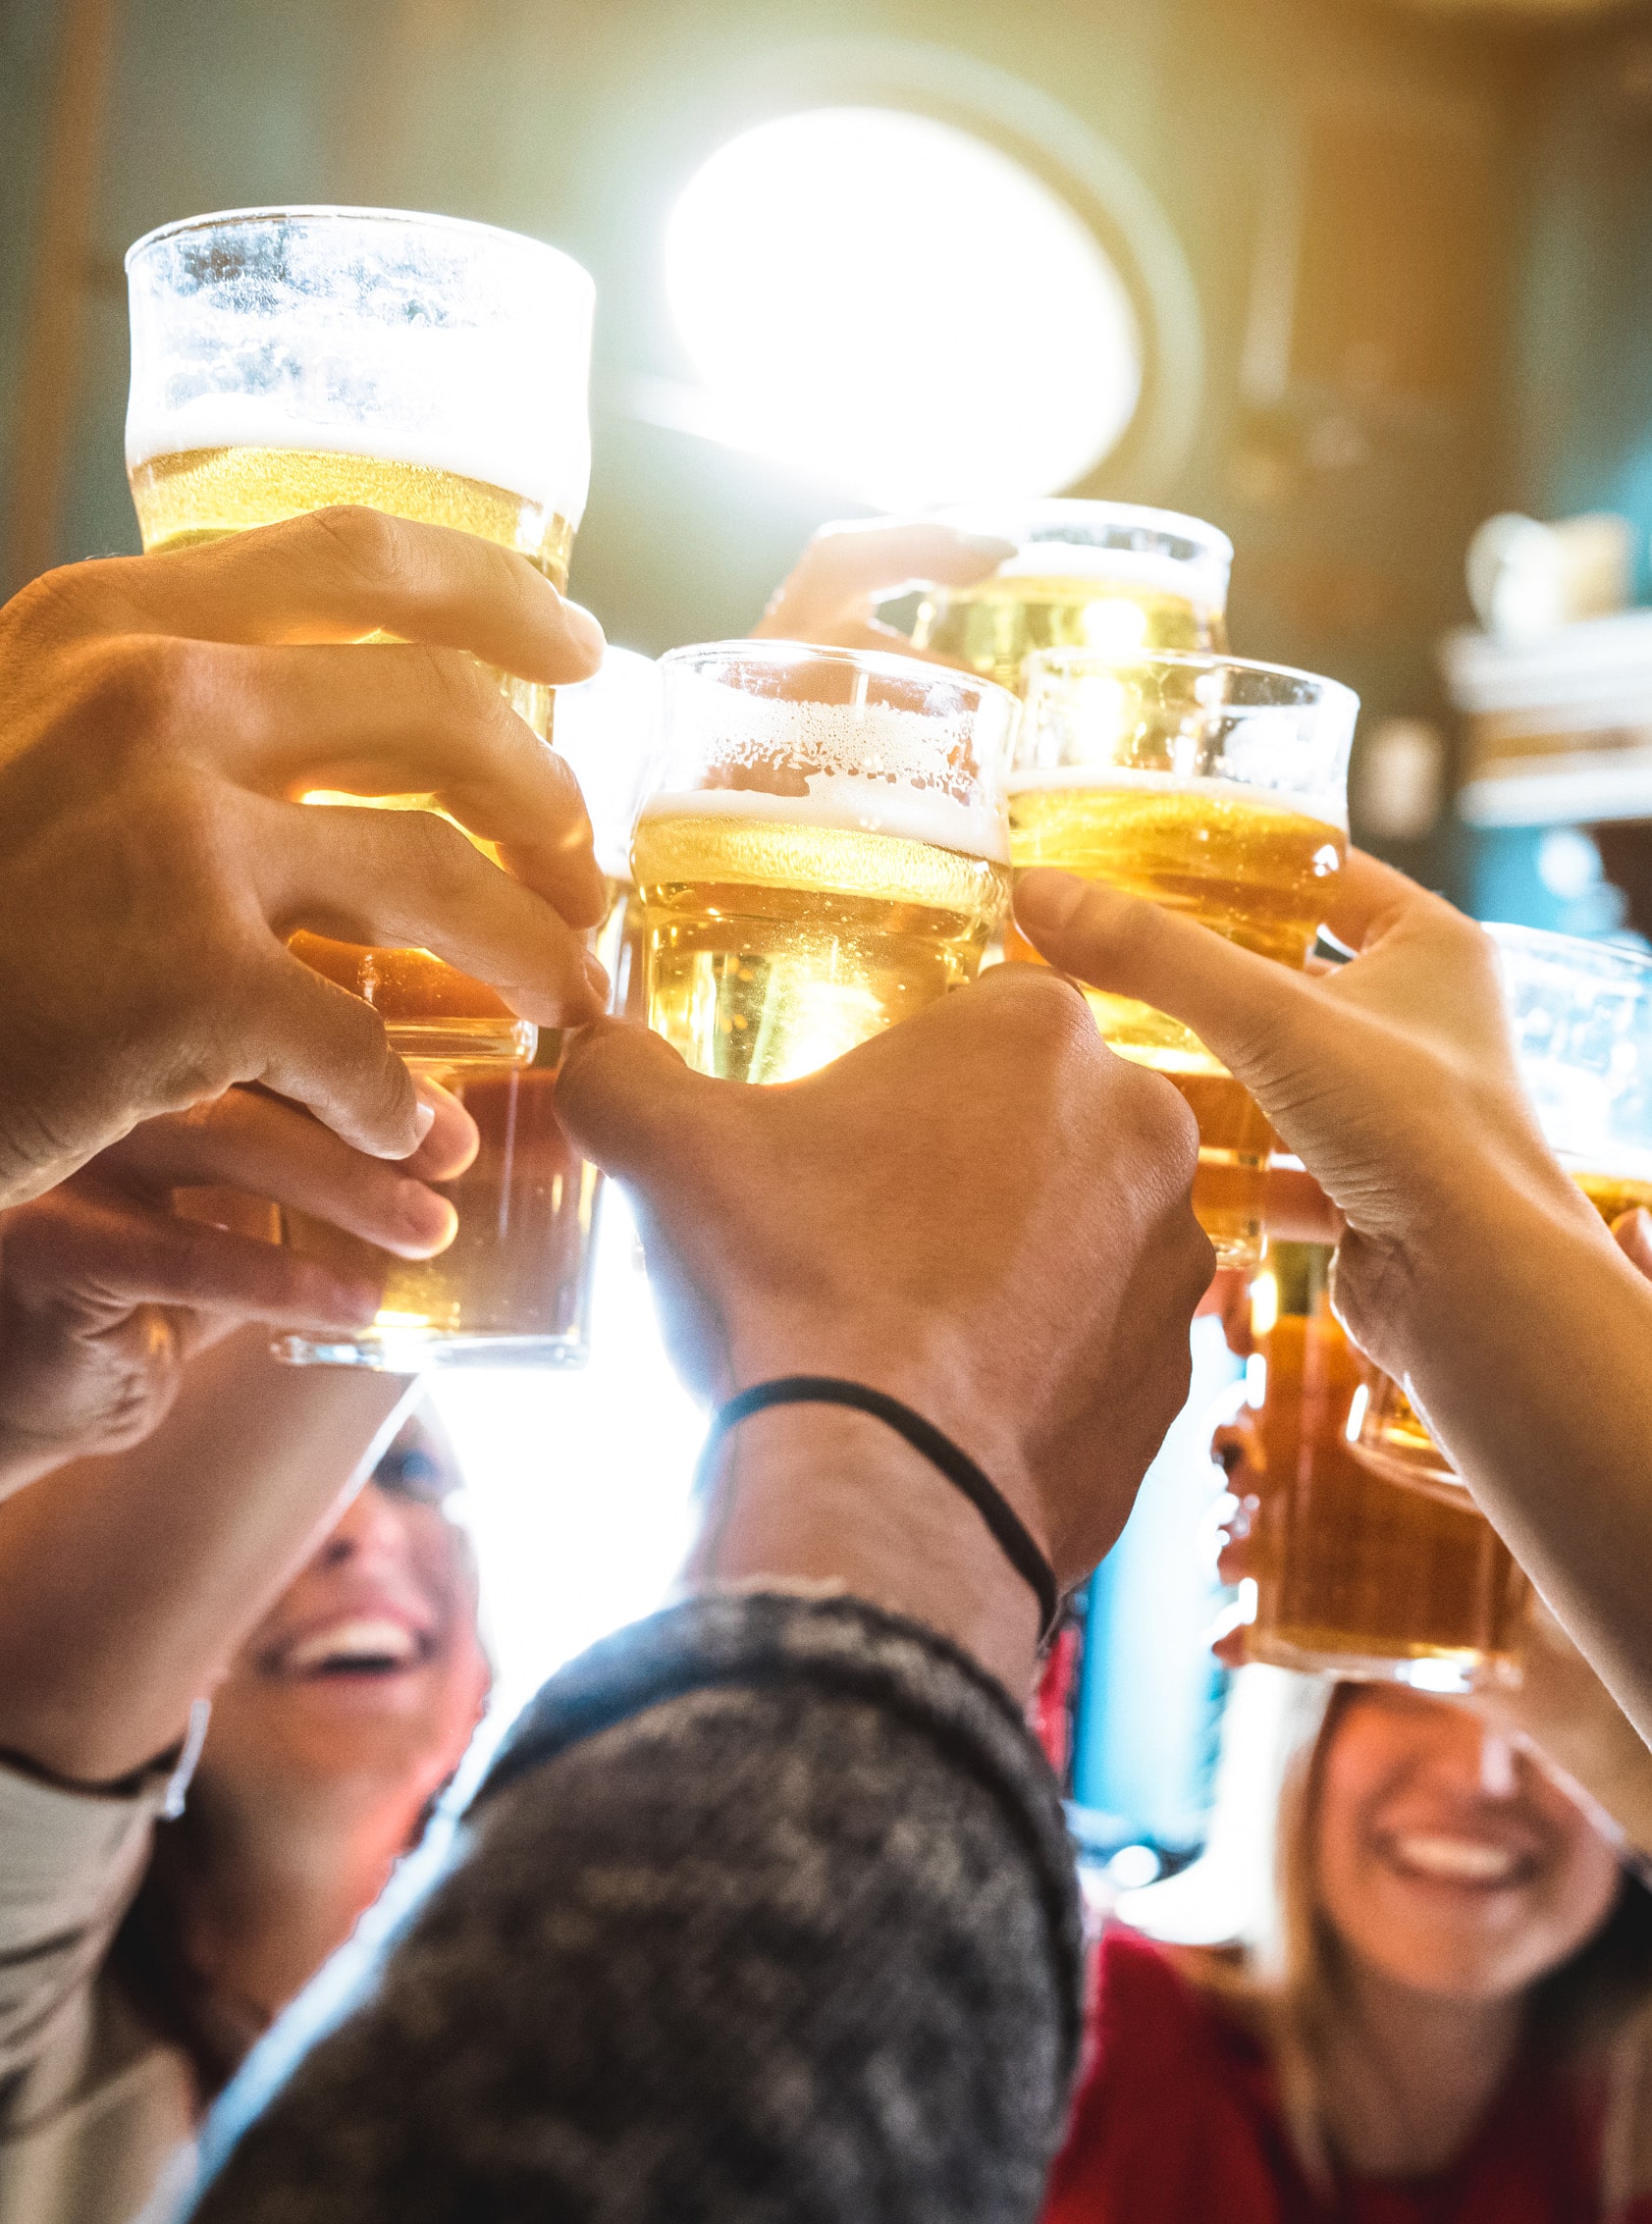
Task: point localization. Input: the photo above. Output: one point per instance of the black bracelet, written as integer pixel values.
(1014, 1539)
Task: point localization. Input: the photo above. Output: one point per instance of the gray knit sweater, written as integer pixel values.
(765, 1911)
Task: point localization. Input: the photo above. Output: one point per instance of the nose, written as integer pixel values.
(1472, 1759)
(370, 1529)
(1497, 1764)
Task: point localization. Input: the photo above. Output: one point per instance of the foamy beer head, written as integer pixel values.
(1581, 1016)
(822, 850)
(1213, 786)
(284, 360)
(1085, 575)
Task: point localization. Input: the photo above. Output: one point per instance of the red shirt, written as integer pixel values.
(1176, 2121)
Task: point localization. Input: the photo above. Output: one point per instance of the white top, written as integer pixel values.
(97, 2115)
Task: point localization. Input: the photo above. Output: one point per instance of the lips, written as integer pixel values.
(1444, 1858)
(359, 1644)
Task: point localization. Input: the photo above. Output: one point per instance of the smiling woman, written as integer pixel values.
(1432, 2025)
(340, 1720)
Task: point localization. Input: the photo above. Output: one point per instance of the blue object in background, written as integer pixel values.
(1548, 876)
(1151, 1694)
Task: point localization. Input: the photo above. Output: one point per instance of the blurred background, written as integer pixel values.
(1347, 277)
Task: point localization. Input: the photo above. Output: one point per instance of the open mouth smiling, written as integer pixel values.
(364, 1644)
(1476, 1864)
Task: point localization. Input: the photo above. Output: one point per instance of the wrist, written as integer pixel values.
(820, 1495)
(920, 1367)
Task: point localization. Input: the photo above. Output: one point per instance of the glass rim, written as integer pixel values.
(1208, 659)
(226, 219)
(1209, 539)
(1586, 953)
(881, 664)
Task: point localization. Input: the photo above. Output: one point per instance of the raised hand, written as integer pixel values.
(106, 1291)
(163, 716)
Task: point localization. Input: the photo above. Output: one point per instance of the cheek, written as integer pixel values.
(1576, 1900)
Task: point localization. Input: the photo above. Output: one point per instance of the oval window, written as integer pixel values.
(896, 305)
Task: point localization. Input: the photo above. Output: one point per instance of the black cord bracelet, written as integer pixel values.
(1011, 1534)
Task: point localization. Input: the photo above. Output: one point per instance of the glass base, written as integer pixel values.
(1449, 1672)
(501, 1042)
(420, 1353)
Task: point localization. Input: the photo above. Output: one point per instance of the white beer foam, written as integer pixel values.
(531, 467)
(1200, 580)
(867, 765)
(852, 805)
(1329, 807)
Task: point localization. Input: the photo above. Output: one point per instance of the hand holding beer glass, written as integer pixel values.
(823, 853)
(289, 360)
(286, 361)
(1217, 788)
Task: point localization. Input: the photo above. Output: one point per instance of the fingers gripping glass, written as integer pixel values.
(286, 359)
(822, 852)
(1217, 788)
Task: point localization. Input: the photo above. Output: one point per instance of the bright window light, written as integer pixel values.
(896, 307)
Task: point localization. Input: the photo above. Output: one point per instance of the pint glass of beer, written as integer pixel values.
(1217, 788)
(513, 1288)
(1352, 1576)
(1581, 1016)
(824, 849)
(286, 359)
(1085, 575)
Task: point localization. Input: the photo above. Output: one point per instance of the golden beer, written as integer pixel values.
(431, 1009)
(1614, 1194)
(771, 946)
(513, 1287)
(824, 853)
(288, 360)
(994, 628)
(1354, 1576)
(1256, 871)
(1085, 575)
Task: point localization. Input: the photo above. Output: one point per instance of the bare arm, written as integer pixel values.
(1469, 1266)
(129, 1579)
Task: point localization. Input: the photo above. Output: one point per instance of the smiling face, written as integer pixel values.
(369, 1669)
(1444, 1857)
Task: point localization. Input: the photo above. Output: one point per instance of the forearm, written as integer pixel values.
(1528, 1345)
(767, 1909)
(128, 1581)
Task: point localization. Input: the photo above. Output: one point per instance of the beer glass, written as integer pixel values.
(1215, 787)
(1085, 575)
(515, 1288)
(1351, 1575)
(286, 359)
(823, 851)
(1581, 1016)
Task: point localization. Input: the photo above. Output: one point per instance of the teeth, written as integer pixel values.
(368, 1638)
(1459, 1861)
